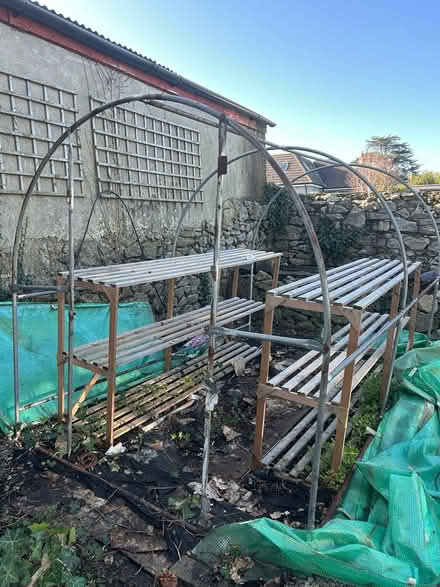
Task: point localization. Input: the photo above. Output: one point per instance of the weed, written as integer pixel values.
(366, 417)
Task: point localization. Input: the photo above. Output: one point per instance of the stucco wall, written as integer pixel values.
(44, 252)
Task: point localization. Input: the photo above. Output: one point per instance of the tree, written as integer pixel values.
(426, 178)
(400, 153)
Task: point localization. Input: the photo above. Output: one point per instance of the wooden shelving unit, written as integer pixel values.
(353, 288)
(104, 357)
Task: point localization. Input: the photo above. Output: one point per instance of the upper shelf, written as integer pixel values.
(357, 284)
(168, 268)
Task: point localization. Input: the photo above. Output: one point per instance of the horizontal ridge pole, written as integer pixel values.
(305, 343)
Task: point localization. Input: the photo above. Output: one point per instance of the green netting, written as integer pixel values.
(38, 348)
(420, 341)
(387, 529)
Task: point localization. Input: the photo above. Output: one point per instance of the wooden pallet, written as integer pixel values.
(145, 405)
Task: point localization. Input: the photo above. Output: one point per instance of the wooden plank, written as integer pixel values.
(341, 427)
(157, 326)
(378, 293)
(284, 289)
(148, 271)
(356, 281)
(84, 393)
(196, 260)
(360, 374)
(61, 300)
(146, 345)
(413, 314)
(350, 275)
(372, 323)
(127, 417)
(265, 359)
(170, 308)
(235, 279)
(276, 262)
(375, 284)
(388, 355)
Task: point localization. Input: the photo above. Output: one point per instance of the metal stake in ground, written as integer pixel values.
(70, 195)
(211, 392)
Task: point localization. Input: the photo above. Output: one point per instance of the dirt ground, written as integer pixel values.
(123, 541)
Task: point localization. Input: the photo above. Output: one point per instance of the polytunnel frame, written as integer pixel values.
(403, 303)
(225, 123)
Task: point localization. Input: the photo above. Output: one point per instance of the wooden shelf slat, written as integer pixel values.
(144, 272)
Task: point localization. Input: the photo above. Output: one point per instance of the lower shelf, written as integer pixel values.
(292, 453)
(145, 405)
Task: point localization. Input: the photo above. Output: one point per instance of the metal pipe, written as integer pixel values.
(36, 294)
(326, 333)
(15, 357)
(306, 343)
(70, 195)
(211, 391)
(38, 287)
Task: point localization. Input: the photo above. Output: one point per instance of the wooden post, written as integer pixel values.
(61, 300)
(388, 354)
(113, 297)
(276, 271)
(264, 374)
(235, 278)
(341, 426)
(85, 393)
(413, 314)
(259, 432)
(265, 355)
(171, 291)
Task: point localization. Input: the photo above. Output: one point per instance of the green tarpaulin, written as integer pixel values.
(38, 348)
(387, 530)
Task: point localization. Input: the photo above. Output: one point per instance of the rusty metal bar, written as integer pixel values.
(71, 196)
(305, 343)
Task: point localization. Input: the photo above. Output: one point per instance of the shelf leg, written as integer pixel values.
(170, 310)
(413, 314)
(388, 354)
(235, 277)
(261, 402)
(267, 345)
(276, 271)
(259, 433)
(113, 296)
(61, 300)
(341, 426)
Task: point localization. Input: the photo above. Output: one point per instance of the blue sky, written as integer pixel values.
(330, 73)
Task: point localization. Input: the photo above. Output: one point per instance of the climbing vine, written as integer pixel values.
(279, 212)
(335, 240)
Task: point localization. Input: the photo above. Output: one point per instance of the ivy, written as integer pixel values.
(279, 212)
(39, 549)
(335, 241)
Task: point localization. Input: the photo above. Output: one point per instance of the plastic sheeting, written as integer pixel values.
(387, 529)
(38, 348)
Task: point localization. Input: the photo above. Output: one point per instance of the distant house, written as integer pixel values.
(302, 173)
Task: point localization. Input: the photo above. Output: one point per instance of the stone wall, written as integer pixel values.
(374, 235)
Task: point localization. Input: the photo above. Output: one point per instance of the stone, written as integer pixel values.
(404, 212)
(422, 322)
(356, 219)
(263, 276)
(381, 226)
(416, 244)
(425, 303)
(336, 209)
(406, 225)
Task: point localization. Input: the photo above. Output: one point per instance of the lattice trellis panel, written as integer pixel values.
(139, 156)
(32, 117)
